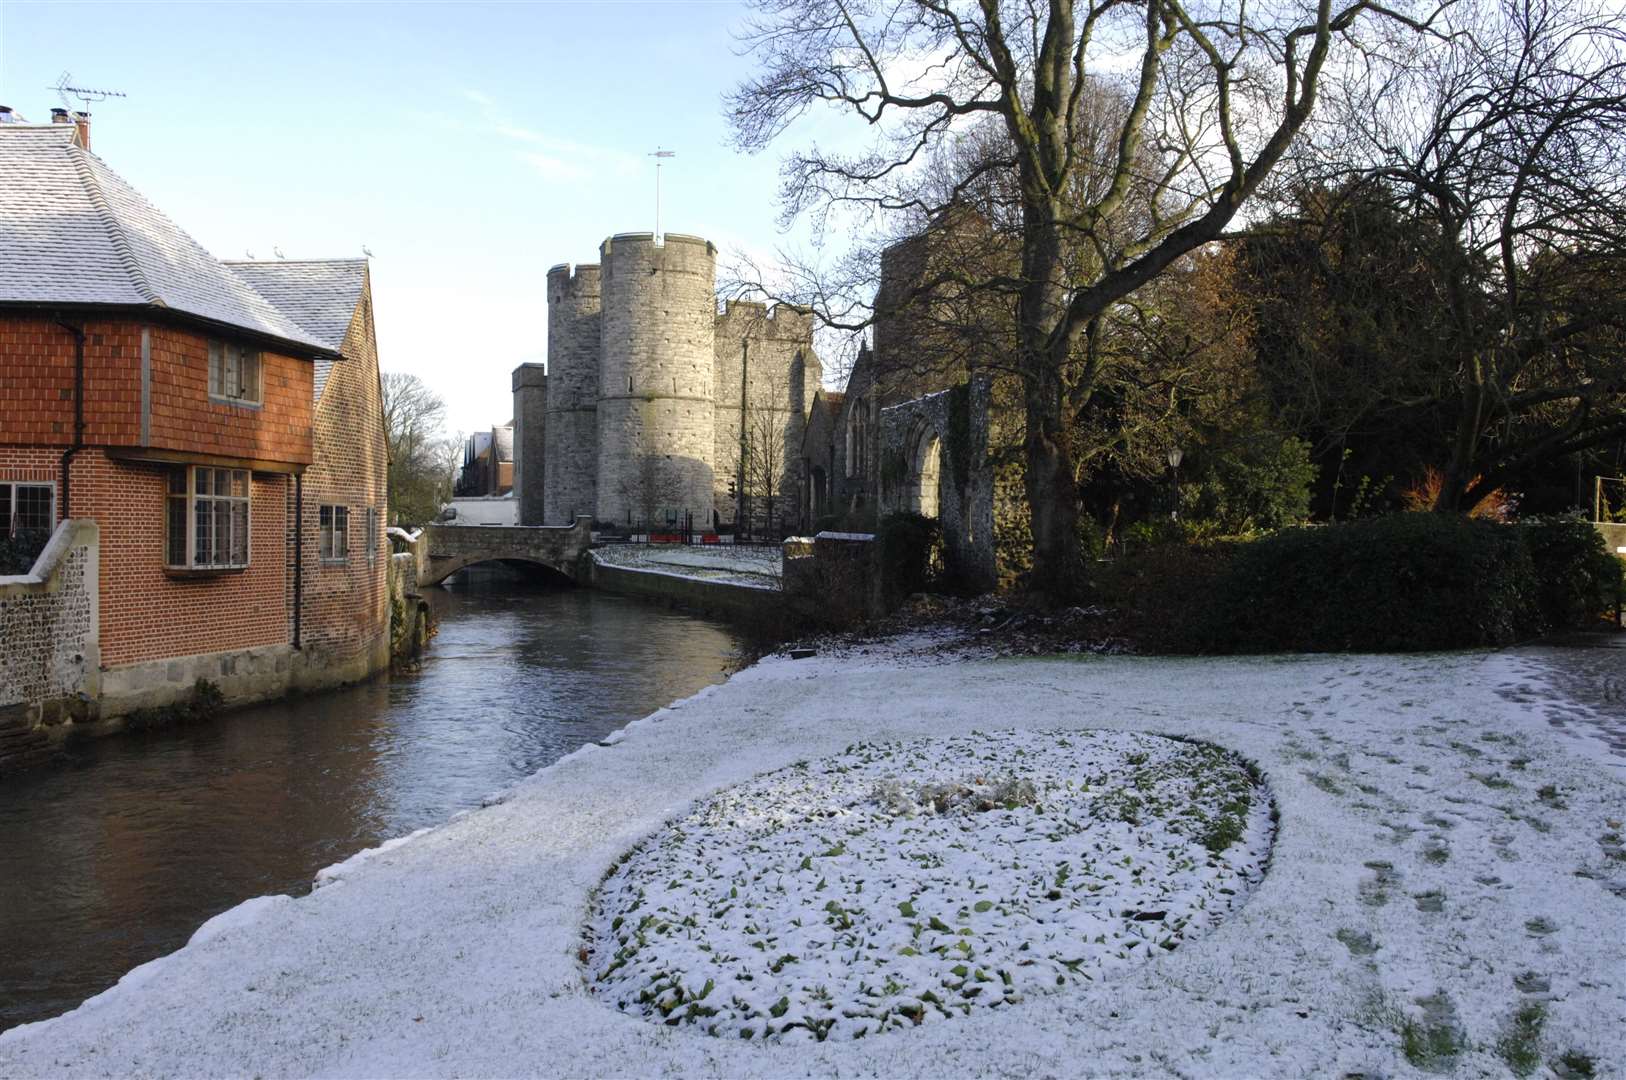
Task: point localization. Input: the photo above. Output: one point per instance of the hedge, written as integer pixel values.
(1401, 583)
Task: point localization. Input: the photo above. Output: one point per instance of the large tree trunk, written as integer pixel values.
(1058, 561)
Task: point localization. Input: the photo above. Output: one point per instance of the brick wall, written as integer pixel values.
(148, 612)
(185, 419)
(37, 381)
(345, 621)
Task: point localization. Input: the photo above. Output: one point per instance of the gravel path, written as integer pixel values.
(1447, 893)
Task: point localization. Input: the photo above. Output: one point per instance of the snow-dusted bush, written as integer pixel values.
(899, 884)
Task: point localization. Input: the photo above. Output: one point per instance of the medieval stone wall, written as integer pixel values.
(48, 622)
(766, 376)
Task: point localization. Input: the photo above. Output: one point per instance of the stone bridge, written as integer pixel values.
(439, 551)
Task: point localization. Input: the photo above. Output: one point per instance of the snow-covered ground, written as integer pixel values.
(753, 565)
(1446, 890)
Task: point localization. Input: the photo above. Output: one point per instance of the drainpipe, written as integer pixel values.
(299, 553)
(78, 333)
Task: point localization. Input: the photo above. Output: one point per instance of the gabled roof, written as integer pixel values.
(72, 231)
(319, 295)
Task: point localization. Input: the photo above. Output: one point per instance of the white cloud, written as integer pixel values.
(561, 159)
(556, 169)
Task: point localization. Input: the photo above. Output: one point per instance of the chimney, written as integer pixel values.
(60, 116)
(81, 130)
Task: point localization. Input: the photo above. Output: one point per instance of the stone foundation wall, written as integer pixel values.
(244, 676)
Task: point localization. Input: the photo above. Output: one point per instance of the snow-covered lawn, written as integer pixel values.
(743, 565)
(1446, 891)
(896, 883)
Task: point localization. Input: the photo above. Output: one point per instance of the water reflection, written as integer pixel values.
(119, 854)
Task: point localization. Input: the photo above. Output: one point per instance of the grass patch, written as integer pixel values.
(1573, 1063)
(1434, 1041)
(1520, 1046)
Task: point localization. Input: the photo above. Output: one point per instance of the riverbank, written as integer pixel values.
(1443, 873)
(117, 853)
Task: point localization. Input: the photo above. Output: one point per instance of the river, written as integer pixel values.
(117, 855)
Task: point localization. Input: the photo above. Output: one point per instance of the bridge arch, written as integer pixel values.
(440, 570)
(442, 550)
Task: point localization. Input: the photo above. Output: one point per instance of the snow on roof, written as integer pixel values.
(318, 295)
(72, 231)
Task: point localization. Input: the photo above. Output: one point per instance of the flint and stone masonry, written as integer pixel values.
(648, 388)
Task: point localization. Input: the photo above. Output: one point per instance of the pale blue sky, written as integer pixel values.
(469, 146)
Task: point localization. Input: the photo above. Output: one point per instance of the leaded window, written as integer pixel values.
(234, 373)
(207, 518)
(334, 523)
(26, 507)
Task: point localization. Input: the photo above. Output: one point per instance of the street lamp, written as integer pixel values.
(1174, 456)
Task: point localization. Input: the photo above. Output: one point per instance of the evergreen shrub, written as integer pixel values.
(1576, 577)
(17, 553)
(1400, 583)
(1404, 582)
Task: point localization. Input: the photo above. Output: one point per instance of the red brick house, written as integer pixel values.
(198, 422)
(344, 564)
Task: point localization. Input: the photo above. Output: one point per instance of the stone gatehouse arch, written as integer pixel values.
(934, 462)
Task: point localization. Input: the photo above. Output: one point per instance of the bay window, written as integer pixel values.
(207, 519)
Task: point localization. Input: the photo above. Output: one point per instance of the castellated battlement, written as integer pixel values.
(753, 318)
(579, 280)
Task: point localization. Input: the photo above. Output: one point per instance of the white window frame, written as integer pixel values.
(372, 534)
(8, 522)
(333, 533)
(235, 375)
(233, 509)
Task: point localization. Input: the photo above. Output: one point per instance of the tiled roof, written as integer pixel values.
(72, 231)
(320, 295)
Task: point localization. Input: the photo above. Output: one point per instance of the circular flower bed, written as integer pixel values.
(901, 883)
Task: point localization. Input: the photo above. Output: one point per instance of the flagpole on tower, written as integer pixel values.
(659, 155)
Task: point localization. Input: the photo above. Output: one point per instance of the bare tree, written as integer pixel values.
(1110, 197)
(423, 458)
(1511, 168)
(767, 457)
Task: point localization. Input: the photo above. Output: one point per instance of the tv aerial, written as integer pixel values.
(85, 95)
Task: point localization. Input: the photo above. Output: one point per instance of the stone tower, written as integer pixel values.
(570, 428)
(530, 384)
(655, 411)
